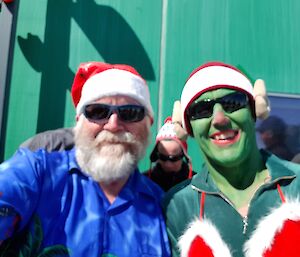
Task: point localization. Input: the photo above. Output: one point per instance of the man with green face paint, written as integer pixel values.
(244, 201)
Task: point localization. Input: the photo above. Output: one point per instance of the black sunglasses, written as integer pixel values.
(230, 103)
(171, 158)
(126, 113)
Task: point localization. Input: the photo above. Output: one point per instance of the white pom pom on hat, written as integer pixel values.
(212, 75)
(94, 80)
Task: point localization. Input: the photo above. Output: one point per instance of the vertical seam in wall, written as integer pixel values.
(162, 62)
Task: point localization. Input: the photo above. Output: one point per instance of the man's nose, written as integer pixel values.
(113, 123)
(219, 118)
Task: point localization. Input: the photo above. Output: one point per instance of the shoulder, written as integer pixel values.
(180, 206)
(296, 158)
(147, 173)
(280, 167)
(149, 187)
(34, 171)
(39, 162)
(286, 171)
(51, 140)
(180, 192)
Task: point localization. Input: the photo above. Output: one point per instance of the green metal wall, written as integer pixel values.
(164, 40)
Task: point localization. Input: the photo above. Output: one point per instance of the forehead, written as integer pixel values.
(117, 100)
(214, 94)
(168, 144)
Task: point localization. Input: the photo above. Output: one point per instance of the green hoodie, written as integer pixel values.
(182, 204)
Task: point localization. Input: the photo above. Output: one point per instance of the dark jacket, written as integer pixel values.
(51, 140)
(166, 180)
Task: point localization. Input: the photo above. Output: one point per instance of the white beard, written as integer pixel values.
(110, 156)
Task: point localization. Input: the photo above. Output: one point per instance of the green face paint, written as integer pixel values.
(226, 138)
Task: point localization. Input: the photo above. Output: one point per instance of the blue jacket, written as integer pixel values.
(65, 212)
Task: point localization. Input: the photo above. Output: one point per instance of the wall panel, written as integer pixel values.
(164, 39)
(53, 37)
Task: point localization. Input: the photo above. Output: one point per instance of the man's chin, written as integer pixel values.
(112, 181)
(110, 168)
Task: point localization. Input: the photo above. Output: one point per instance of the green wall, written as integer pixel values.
(164, 40)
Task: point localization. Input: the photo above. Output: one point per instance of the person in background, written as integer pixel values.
(51, 140)
(91, 200)
(172, 162)
(273, 134)
(245, 201)
(296, 158)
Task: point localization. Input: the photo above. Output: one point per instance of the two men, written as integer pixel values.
(91, 200)
(244, 201)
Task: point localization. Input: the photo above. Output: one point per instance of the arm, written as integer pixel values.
(19, 190)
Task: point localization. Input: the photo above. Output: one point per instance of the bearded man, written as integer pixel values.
(90, 200)
(245, 201)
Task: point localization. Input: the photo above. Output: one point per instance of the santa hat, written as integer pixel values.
(167, 132)
(94, 80)
(210, 76)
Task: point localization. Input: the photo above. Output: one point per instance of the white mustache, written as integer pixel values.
(109, 137)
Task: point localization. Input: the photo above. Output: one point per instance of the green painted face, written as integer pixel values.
(225, 138)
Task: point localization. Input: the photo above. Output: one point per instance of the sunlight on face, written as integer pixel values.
(225, 138)
(169, 147)
(108, 152)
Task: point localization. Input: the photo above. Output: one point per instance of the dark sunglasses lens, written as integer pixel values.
(171, 158)
(96, 111)
(201, 109)
(131, 113)
(230, 103)
(234, 102)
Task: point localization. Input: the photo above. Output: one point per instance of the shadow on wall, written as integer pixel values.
(107, 31)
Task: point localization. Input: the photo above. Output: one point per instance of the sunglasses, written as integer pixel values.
(230, 103)
(171, 158)
(126, 113)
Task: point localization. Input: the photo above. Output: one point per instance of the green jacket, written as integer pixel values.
(182, 204)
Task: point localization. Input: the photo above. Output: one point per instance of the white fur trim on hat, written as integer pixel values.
(113, 82)
(211, 77)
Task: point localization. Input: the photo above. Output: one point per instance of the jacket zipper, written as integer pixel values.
(245, 218)
(245, 224)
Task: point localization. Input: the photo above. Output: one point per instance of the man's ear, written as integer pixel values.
(262, 104)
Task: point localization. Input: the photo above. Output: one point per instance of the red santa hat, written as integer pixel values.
(94, 80)
(213, 75)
